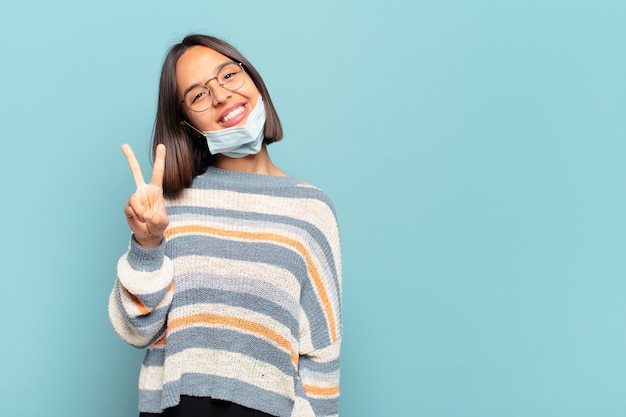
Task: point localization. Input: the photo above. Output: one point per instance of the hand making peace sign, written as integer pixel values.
(145, 209)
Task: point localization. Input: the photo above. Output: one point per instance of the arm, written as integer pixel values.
(319, 376)
(142, 294)
(320, 326)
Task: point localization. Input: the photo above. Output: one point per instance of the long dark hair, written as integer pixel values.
(188, 156)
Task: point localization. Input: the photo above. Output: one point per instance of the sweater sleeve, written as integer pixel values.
(319, 376)
(142, 294)
(320, 327)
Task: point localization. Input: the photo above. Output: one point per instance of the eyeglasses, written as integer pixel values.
(200, 97)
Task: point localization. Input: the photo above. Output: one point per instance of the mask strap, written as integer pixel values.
(193, 127)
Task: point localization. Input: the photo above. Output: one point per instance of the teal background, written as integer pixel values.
(474, 151)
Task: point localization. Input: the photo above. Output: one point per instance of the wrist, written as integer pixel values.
(149, 242)
(145, 258)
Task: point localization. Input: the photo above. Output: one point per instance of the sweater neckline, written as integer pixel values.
(248, 178)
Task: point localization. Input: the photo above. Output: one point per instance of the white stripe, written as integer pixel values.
(311, 210)
(122, 327)
(258, 271)
(223, 364)
(185, 312)
(313, 250)
(279, 285)
(141, 282)
(151, 378)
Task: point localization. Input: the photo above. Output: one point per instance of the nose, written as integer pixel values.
(219, 94)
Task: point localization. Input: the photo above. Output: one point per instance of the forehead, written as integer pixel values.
(196, 65)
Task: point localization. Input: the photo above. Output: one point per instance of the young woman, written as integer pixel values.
(232, 279)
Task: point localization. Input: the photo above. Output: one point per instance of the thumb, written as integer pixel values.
(157, 221)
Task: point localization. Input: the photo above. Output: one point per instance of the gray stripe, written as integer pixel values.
(319, 367)
(247, 182)
(327, 376)
(229, 341)
(209, 246)
(239, 392)
(256, 287)
(145, 325)
(145, 260)
(314, 311)
(154, 357)
(255, 221)
(238, 299)
(150, 401)
(255, 184)
(152, 299)
(270, 253)
(191, 213)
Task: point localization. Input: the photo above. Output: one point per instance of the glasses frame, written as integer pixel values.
(206, 84)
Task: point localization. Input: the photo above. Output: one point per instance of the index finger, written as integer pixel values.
(135, 169)
(159, 166)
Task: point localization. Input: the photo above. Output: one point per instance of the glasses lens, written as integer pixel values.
(198, 98)
(231, 76)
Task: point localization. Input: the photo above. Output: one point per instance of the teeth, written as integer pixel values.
(233, 113)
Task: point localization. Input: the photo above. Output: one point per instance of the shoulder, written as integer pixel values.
(314, 196)
(312, 192)
(318, 210)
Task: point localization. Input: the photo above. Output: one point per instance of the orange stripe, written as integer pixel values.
(322, 391)
(299, 247)
(160, 342)
(237, 323)
(143, 310)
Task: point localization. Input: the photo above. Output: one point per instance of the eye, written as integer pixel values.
(197, 95)
(229, 75)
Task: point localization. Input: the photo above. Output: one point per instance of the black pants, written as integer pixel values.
(206, 407)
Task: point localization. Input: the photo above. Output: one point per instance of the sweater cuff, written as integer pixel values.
(145, 271)
(145, 260)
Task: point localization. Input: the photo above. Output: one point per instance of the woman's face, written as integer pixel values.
(229, 107)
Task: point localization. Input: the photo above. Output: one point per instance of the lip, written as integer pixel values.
(235, 120)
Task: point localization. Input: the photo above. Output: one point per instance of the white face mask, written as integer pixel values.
(238, 141)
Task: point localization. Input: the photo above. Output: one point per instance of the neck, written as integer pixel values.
(259, 163)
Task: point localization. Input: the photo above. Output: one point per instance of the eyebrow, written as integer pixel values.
(217, 69)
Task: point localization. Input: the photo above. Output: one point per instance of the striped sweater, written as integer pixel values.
(242, 299)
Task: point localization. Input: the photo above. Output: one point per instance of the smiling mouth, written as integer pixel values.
(235, 112)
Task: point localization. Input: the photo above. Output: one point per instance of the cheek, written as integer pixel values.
(254, 94)
(203, 121)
